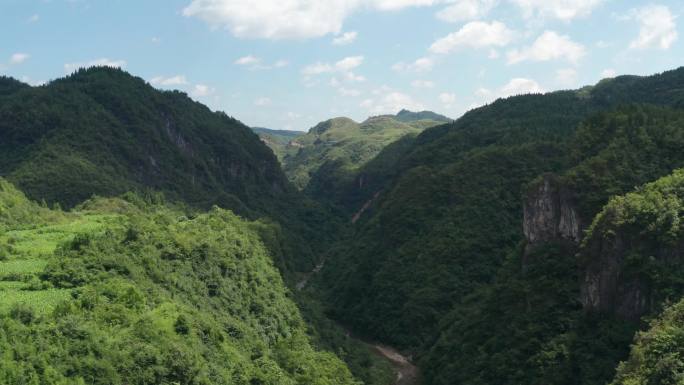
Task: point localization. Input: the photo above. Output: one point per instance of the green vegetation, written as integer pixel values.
(434, 265)
(136, 292)
(657, 356)
(332, 150)
(104, 132)
(278, 140)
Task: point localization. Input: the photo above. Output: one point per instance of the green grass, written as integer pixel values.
(42, 301)
(30, 251)
(22, 266)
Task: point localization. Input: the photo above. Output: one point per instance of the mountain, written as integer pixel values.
(278, 140)
(409, 116)
(340, 145)
(448, 259)
(129, 291)
(101, 131)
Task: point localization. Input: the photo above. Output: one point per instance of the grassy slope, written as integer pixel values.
(129, 292)
(341, 145)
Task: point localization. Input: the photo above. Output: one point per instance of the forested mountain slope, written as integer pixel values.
(131, 291)
(438, 262)
(102, 131)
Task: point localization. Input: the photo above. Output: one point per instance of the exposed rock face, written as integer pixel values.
(605, 286)
(550, 214)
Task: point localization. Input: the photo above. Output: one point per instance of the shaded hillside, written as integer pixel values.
(103, 132)
(448, 216)
(123, 291)
(333, 149)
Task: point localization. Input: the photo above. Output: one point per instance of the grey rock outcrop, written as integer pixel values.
(550, 214)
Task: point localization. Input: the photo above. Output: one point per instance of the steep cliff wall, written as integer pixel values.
(632, 258)
(549, 214)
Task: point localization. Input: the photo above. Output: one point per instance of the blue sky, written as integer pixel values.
(289, 64)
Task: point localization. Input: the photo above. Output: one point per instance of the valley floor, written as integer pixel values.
(406, 372)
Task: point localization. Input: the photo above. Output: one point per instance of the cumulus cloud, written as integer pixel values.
(476, 34)
(567, 77)
(423, 84)
(345, 38)
(658, 27)
(255, 63)
(247, 60)
(559, 9)
(423, 64)
(343, 65)
(348, 92)
(463, 10)
(19, 58)
(178, 80)
(262, 102)
(391, 103)
(103, 62)
(516, 86)
(549, 46)
(448, 99)
(201, 90)
(287, 19)
(608, 73)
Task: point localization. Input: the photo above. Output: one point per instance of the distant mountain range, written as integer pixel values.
(341, 144)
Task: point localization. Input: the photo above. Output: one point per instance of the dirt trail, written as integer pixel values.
(407, 373)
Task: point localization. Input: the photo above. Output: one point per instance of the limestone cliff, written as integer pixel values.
(550, 214)
(632, 258)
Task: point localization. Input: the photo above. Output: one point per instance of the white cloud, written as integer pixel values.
(560, 9)
(255, 63)
(567, 77)
(247, 60)
(520, 86)
(658, 27)
(391, 103)
(516, 86)
(349, 63)
(288, 19)
(348, 92)
(201, 90)
(155, 40)
(317, 69)
(343, 65)
(423, 64)
(423, 84)
(262, 102)
(447, 99)
(178, 80)
(19, 58)
(549, 46)
(103, 62)
(463, 10)
(393, 5)
(34, 83)
(34, 18)
(345, 38)
(608, 73)
(476, 34)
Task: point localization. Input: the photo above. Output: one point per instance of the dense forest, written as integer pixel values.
(145, 239)
(441, 264)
